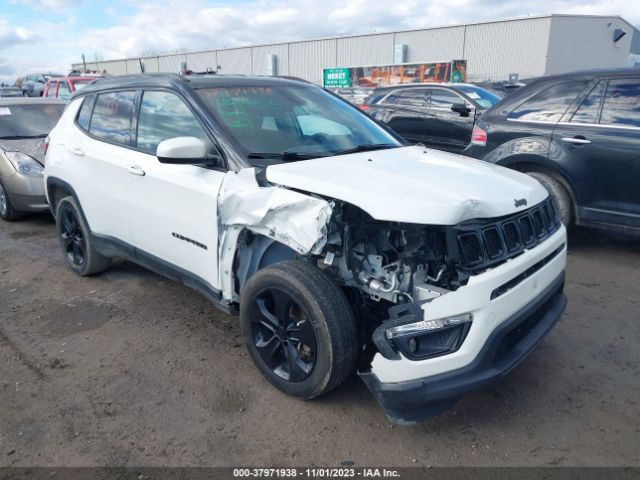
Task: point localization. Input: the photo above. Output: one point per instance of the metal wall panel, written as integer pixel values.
(237, 60)
(493, 50)
(171, 63)
(201, 61)
(365, 50)
(133, 65)
(307, 59)
(260, 58)
(433, 45)
(578, 43)
(114, 67)
(150, 64)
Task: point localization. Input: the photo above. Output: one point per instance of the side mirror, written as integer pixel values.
(183, 151)
(461, 108)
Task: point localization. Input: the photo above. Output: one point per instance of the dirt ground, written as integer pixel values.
(127, 368)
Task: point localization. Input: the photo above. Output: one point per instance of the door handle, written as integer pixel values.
(577, 140)
(77, 151)
(135, 170)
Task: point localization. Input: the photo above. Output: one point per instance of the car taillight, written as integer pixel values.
(364, 107)
(478, 136)
(46, 145)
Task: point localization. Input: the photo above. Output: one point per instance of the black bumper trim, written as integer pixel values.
(413, 401)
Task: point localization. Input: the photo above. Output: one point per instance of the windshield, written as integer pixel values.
(482, 97)
(33, 120)
(291, 122)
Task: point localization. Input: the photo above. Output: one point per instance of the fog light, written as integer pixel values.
(426, 326)
(413, 345)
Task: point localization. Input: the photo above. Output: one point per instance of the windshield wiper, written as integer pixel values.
(367, 147)
(22, 137)
(285, 156)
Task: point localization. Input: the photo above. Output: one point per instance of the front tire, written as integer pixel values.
(558, 194)
(7, 212)
(74, 237)
(299, 328)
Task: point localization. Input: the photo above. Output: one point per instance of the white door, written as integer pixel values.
(100, 158)
(173, 207)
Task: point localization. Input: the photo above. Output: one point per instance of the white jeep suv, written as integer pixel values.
(341, 247)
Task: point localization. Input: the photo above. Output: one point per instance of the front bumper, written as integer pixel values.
(26, 193)
(412, 401)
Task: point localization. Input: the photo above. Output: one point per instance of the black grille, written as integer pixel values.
(484, 243)
(470, 248)
(515, 336)
(493, 242)
(511, 237)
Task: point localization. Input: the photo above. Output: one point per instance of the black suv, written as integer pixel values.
(579, 135)
(437, 115)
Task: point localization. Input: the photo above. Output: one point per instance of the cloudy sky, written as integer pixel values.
(49, 35)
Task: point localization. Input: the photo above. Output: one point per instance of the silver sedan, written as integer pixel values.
(24, 125)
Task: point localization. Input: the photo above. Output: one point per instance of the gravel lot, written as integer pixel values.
(127, 368)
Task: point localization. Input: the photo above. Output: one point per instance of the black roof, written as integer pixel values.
(168, 80)
(593, 72)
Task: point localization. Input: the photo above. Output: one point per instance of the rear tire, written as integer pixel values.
(559, 195)
(7, 212)
(299, 328)
(74, 237)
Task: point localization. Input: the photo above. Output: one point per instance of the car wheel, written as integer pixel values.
(299, 328)
(25, 93)
(7, 212)
(559, 195)
(75, 240)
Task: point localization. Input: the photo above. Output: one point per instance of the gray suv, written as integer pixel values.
(33, 85)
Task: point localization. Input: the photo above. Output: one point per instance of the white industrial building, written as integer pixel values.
(529, 47)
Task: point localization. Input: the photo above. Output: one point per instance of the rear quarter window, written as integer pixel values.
(84, 114)
(550, 104)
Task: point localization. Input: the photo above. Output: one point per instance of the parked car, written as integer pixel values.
(33, 85)
(63, 87)
(436, 115)
(355, 95)
(24, 124)
(579, 135)
(341, 247)
(10, 91)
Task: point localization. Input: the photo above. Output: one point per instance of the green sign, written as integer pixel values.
(336, 78)
(456, 77)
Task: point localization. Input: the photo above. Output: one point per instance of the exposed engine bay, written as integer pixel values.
(396, 262)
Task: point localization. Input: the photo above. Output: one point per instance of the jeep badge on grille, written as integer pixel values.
(520, 202)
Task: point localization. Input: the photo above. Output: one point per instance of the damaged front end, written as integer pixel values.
(391, 272)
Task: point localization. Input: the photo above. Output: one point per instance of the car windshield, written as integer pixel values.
(28, 121)
(292, 122)
(481, 96)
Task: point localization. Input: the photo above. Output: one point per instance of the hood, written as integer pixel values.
(34, 147)
(414, 185)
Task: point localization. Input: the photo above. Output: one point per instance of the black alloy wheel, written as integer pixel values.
(283, 335)
(74, 244)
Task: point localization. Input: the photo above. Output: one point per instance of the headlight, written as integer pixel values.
(425, 326)
(25, 164)
(422, 339)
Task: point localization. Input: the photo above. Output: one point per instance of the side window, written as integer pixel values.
(164, 115)
(444, 99)
(622, 103)
(112, 115)
(588, 110)
(84, 114)
(63, 90)
(413, 97)
(550, 104)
